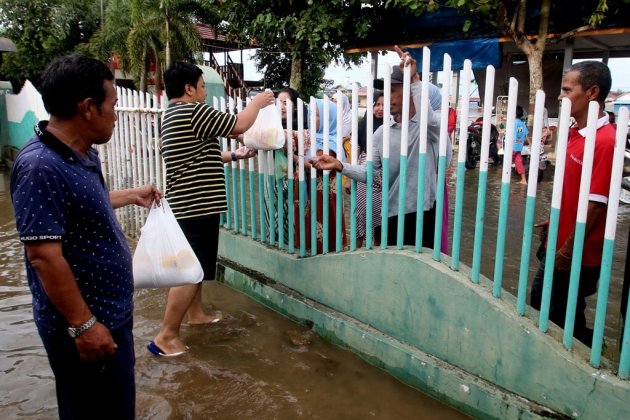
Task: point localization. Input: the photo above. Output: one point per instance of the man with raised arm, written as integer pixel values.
(359, 172)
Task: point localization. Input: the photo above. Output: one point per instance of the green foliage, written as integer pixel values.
(313, 31)
(160, 30)
(42, 31)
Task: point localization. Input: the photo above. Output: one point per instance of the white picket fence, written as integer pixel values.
(132, 157)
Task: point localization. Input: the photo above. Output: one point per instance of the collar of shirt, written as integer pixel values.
(62, 149)
(600, 123)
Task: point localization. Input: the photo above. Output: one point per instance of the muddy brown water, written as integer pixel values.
(256, 363)
(253, 364)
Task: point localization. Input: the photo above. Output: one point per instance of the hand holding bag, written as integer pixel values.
(266, 133)
(163, 257)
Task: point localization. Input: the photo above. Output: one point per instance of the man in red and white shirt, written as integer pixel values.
(584, 82)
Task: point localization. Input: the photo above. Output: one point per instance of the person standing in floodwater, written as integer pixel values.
(584, 82)
(195, 186)
(78, 262)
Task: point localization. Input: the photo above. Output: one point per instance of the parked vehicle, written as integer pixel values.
(473, 146)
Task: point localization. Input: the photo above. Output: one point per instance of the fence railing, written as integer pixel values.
(133, 158)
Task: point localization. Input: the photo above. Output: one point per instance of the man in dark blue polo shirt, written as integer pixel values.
(78, 262)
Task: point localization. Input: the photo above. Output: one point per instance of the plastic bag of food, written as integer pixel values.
(163, 257)
(266, 133)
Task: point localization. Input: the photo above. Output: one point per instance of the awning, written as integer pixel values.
(482, 52)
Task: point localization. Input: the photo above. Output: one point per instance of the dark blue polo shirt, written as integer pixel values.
(58, 195)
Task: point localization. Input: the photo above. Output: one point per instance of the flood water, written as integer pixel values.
(253, 364)
(256, 363)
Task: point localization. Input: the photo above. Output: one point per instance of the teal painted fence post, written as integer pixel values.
(609, 238)
(261, 195)
(530, 204)
(404, 144)
(506, 176)
(422, 147)
(441, 176)
(369, 165)
(580, 225)
(554, 215)
(290, 177)
(387, 93)
(252, 198)
(439, 207)
(243, 204)
(271, 203)
(234, 189)
(369, 203)
(465, 76)
(313, 128)
(385, 200)
(483, 174)
(338, 178)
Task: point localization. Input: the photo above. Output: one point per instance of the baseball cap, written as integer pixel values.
(397, 77)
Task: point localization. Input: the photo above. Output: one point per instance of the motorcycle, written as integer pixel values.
(473, 145)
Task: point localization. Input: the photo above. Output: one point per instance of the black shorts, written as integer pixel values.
(203, 235)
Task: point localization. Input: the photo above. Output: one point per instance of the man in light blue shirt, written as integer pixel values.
(359, 172)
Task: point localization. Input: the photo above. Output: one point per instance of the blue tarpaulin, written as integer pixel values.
(481, 51)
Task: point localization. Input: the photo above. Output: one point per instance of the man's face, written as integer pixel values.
(396, 98)
(199, 90)
(574, 91)
(105, 116)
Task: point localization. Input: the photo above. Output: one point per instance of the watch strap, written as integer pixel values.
(77, 331)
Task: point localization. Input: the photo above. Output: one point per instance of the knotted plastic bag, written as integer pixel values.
(266, 133)
(163, 257)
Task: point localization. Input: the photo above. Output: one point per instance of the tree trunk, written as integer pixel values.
(167, 48)
(534, 59)
(296, 73)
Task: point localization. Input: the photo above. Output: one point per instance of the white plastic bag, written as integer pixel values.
(163, 257)
(266, 133)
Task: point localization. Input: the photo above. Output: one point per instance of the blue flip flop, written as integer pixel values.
(156, 351)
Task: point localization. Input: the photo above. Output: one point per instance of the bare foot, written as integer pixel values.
(523, 182)
(215, 317)
(170, 347)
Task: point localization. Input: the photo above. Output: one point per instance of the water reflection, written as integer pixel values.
(253, 364)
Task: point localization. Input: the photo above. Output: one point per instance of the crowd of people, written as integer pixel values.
(78, 260)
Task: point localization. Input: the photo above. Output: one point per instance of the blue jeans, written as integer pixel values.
(93, 390)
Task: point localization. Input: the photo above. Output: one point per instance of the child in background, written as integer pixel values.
(520, 134)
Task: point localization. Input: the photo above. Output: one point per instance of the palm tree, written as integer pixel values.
(163, 30)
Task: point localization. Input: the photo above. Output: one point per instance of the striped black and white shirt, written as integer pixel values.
(195, 183)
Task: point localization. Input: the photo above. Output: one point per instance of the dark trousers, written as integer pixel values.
(428, 229)
(560, 293)
(93, 390)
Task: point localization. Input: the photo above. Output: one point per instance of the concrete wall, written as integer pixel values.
(408, 298)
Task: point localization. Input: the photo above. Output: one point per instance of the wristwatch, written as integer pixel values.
(234, 157)
(75, 332)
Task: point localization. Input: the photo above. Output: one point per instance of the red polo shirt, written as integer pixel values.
(600, 186)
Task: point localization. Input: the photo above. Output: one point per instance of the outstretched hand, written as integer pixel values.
(244, 153)
(406, 60)
(327, 162)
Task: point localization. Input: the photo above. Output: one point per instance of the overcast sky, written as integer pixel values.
(619, 67)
